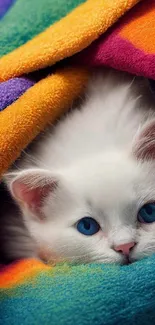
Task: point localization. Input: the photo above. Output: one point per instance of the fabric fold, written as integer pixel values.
(41, 104)
(68, 36)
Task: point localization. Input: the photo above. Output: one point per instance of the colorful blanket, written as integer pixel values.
(35, 35)
(24, 51)
(32, 93)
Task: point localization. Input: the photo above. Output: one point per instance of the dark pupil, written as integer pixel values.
(148, 209)
(86, 224)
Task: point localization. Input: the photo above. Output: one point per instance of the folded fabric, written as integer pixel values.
(65, 38)
(32, 293)
(26, 19)
(129, 45)
(26, 117)
(41, 104)
(13, 89)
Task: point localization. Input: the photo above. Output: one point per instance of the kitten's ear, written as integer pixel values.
(144, 146)
(31, 187)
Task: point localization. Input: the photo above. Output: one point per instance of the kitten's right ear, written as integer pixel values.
(31, 187)
(144, 145)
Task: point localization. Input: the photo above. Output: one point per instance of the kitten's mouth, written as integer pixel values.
(127, 260)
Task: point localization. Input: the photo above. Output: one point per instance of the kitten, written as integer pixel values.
(86, 190)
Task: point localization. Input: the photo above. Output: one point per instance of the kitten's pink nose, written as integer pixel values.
(124, 248)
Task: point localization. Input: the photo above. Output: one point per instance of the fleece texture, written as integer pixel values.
(4, 6)
(41, 104)
(26, 117)
(32, 293)
(68, 36)
(129, 45)
(26, 19)
(13, 89)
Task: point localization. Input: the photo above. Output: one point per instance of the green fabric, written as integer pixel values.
(27, 18)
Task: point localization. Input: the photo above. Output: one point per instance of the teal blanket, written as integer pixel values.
(32, 293)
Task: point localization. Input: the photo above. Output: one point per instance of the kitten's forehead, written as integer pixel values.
(107, 180)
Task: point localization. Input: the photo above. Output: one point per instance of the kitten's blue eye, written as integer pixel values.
(88, 226)
(147, 213)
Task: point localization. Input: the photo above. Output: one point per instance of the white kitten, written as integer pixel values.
(82, 190)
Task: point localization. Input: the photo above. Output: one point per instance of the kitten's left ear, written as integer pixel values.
(144, 146)
(31, 187)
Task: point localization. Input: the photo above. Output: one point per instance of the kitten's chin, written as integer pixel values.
(45, 256)
(117, 259)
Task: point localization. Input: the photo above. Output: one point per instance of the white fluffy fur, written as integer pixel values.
(90, 155)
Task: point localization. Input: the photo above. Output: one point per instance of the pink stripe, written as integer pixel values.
(118, 53)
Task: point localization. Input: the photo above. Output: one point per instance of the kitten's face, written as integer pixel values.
(110, 190)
